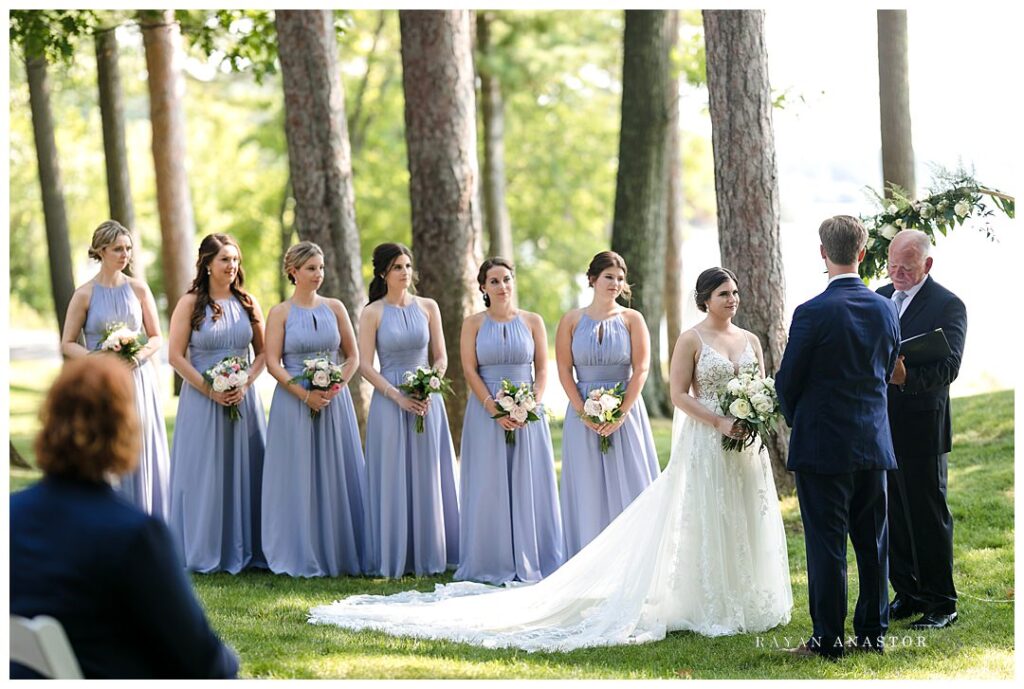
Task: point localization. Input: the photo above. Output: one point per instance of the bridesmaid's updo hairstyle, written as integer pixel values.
(105, 235)
(208, 250)
(481, 276)
(384, 256)
(90, 428)
(708, 282)
(603, 261)
(297, 255)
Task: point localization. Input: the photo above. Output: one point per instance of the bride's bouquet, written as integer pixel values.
(119, 339)
(230, 373)
(518, 402)
(604, 405)
(751, 398)
(423, 383)
(322, 374)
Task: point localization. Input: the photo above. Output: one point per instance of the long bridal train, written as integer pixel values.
(702, 549)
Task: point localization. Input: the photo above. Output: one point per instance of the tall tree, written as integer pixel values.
(161, 36)
(58, 245)
(320, 159)
(492, 110)
(747, 183)
(894, 101)
(673, 199)
(440, 130)
(119, 190)
(638, 228)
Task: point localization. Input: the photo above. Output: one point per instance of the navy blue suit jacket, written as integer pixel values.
(110, 575)
(842, 349)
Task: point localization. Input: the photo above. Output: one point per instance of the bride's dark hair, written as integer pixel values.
(708, 282)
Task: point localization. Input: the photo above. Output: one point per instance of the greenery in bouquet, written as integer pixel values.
(320, 373)
(119, 339)
(518, 402)
(752, 400)
(421, 384)
(230, 373)
(604, 405)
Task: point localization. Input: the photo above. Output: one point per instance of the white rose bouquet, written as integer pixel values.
(322, 374)
(423, 383)
(230, 374)
(751, 398)
(518, 402)
(604, 405)
(119, 339)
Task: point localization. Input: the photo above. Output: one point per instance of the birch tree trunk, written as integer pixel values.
(638, 228)
(747, 185)
(894, 101)
(440, 130)
(320, 160)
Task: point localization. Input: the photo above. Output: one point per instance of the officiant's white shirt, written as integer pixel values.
(911, 293)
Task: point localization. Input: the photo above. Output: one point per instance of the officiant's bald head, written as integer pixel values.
(909, 261)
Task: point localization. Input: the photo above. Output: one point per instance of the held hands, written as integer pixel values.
(413, 406)
(506, 422)
(899, 374)
(228, 398)
(318, 399)
(605, 429)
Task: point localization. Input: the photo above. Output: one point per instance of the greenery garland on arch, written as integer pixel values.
(953, 198)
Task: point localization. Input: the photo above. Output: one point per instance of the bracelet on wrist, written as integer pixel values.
(308, 393)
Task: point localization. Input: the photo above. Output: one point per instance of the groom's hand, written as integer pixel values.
(899, 374)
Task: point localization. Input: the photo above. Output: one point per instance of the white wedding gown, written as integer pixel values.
(701, 549)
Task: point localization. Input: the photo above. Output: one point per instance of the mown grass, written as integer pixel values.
(263, 616)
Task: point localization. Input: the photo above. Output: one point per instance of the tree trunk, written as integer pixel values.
(747, 185)
(492, 108)
(58, 246)
(673, 202)
(16, 459)
(162, 38)
(894, 101)
(286, 231)
(440, 131)
(119, 191)
(638, 228)
(320, 160)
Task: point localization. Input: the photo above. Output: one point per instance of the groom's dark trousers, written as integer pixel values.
(832, 388)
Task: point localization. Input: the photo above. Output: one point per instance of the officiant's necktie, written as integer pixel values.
(899, 299)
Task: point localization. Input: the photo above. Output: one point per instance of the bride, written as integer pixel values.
(701, 549)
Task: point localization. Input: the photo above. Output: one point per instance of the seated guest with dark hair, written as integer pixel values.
(104, 569)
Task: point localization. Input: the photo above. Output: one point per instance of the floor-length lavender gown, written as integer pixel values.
(147, 487)
(509, 521)
(314, 476)
(596, 487)
(217, 463)
(413, 499)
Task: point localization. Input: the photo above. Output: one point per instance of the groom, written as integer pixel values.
(843, 346)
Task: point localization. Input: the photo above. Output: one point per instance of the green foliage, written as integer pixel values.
(52, 34)
(954, 197)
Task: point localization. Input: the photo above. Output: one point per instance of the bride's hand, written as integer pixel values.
(728, 426)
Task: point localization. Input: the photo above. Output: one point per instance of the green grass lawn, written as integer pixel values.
(263, 616)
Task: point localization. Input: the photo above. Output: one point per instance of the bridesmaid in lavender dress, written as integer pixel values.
(509, 522)
(216, 462)
(113, 297)
(314, 477)
(413, 503)
(605, 344)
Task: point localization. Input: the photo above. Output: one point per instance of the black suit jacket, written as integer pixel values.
(919, 410)
(110, 575)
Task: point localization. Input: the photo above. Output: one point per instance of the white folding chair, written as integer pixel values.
(42, 645)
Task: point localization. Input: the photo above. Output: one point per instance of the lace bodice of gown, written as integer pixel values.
(714, 370)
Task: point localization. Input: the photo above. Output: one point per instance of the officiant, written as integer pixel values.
(920, 523)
